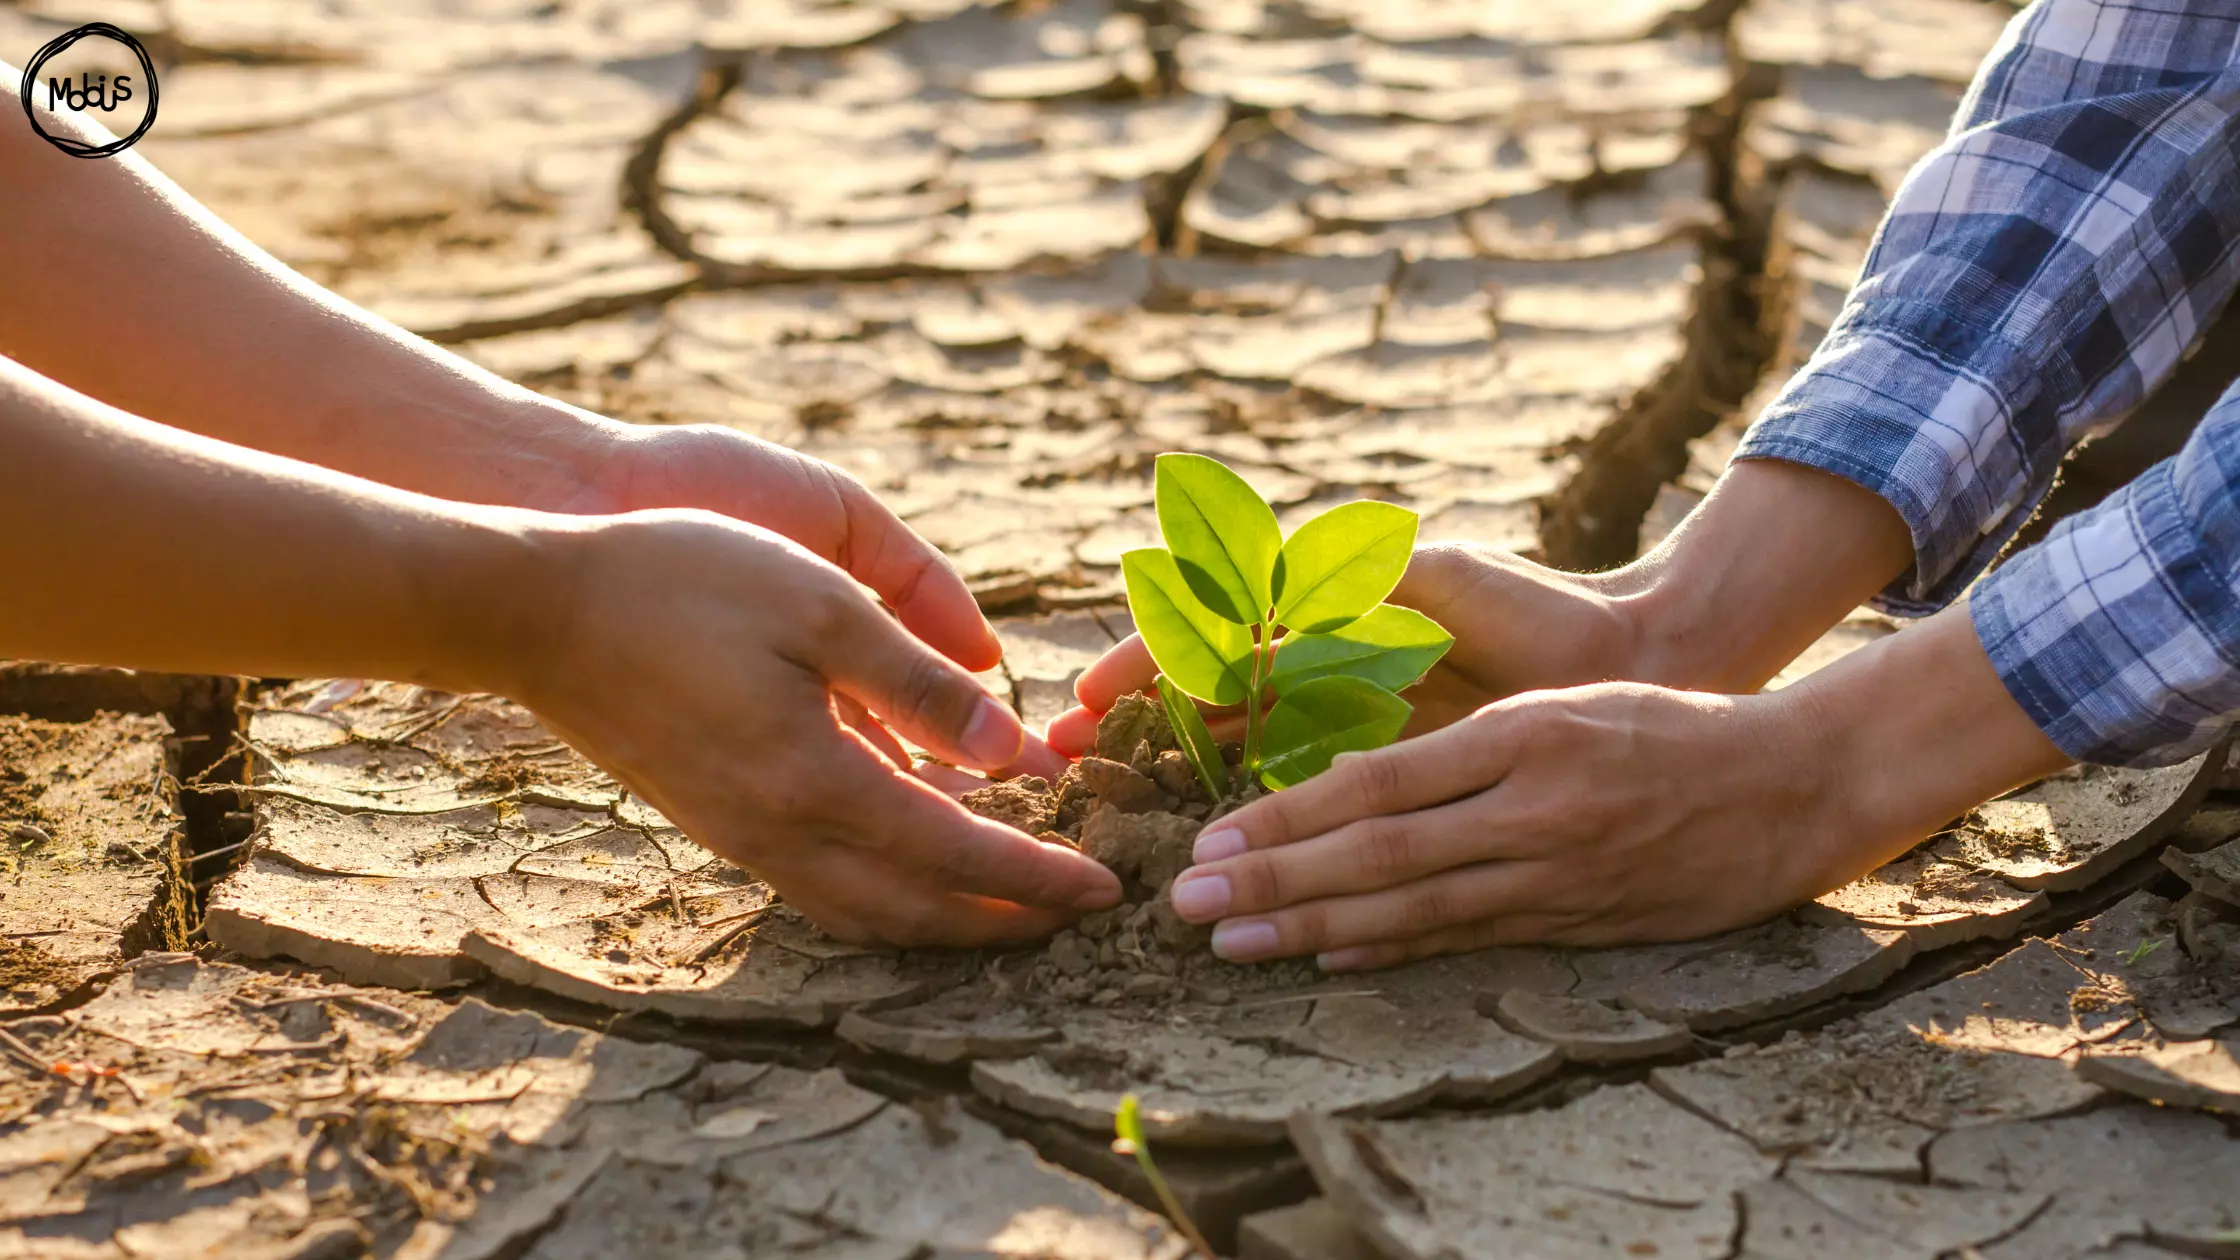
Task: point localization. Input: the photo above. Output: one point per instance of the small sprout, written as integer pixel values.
(1210, 604)
(1127, 1128)
(2140, 952)
(1197, 743)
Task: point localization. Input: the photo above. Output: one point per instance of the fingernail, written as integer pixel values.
(1098, 899)
(1219, 843)
(1200, 897)
(1343, 959)
(1244, 940)
(993, 737)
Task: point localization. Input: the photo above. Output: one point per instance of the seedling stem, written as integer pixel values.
(1127, 1127)
(1211, 603)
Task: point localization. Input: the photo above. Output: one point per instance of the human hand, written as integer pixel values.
(1617, 812)
(824, 509)
(705, 662)
(1776, 555)
(1517, 626)
(810, 501)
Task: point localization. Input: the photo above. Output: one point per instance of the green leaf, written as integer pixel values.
(1343, 563)
(1322, 718)
(1197, 742)
(1223, 536)
(1127, 1126)
(1205, 655)
(1392, 647)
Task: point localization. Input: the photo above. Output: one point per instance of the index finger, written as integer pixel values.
(856, 896)
(913, 825)
(913, 578)
(1411, 775)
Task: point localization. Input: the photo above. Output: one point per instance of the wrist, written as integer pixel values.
(565, 460)
(1774, 557)
(1910, 732)
(498, 596)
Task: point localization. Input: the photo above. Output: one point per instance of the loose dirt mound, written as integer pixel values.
(1134, 804)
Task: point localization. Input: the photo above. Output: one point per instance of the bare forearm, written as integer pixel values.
(133, 293)
(127, 543)
(1775, 556)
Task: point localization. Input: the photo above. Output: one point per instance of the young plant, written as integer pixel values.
(1211, 603)
(1127, 1139)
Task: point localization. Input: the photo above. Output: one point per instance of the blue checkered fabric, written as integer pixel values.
(2038, 274)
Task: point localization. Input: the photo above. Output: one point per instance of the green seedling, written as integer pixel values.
(1127, 1129)
(1233, 611)
(2140, 952)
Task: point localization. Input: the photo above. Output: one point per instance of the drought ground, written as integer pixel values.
(339, 968)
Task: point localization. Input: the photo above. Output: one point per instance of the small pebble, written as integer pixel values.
(1105, 997)
(1096, 926)
(1214, 994)
(1739, 1050)
(1072, 953)
(1145, 986)
(25, 833)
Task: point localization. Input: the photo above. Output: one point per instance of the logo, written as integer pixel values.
(89, 90)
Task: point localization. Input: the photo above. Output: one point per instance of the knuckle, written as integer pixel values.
(1259, 882)
(926, 689)
(1439, 559)
(1305, 930)
(945, 866)
(1385, 850)
(1377, 779)
(827, 613)
(1428, 907)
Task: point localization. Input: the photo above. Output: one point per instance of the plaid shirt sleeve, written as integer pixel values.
(2038, 274)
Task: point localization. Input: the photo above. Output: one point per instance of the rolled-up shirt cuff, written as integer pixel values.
(2115, 633)
(1903, 403)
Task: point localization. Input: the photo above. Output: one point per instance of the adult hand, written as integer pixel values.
(1616, 812)
(1775, 556)
(1517, 626)
(700, 660)
(825, 510)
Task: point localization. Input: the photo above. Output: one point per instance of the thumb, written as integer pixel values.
(869, 658)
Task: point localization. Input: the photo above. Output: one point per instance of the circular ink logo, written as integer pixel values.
(89, 91)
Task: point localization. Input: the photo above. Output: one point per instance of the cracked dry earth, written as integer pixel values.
(1526, 269)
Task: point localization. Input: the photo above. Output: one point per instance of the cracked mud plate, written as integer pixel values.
(1620, 1172)
(89, 851)
(418, 840)
(273, 1114)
